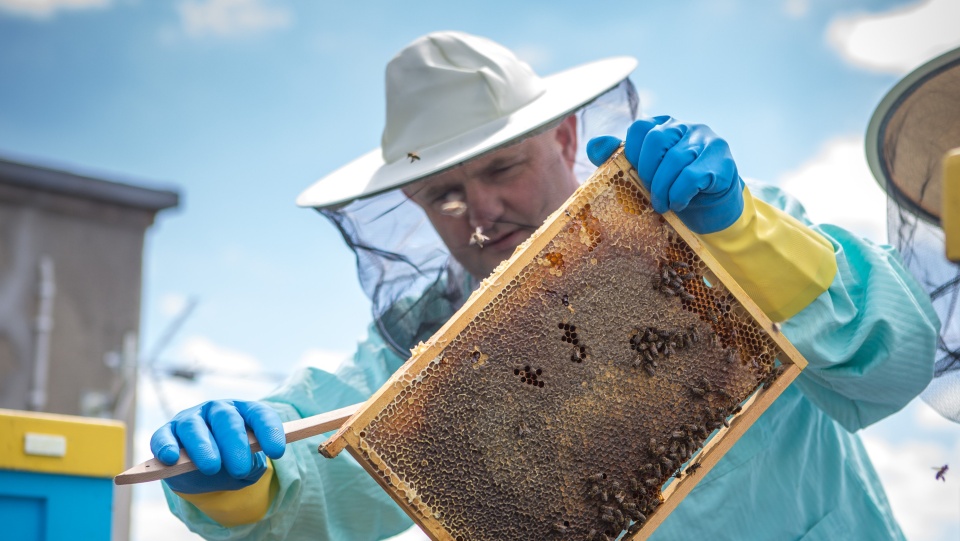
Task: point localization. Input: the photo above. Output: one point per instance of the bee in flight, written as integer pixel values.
(942, 473)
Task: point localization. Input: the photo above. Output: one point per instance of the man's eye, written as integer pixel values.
(450, 203)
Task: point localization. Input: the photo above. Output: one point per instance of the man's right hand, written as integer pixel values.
(214, 435)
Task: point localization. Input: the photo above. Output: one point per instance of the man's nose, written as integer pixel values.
(484, 206)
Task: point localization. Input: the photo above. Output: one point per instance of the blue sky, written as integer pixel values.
(240, 104)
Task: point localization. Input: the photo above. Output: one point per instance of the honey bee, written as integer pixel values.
(560, 527)
(772, 376)
(597, 477)
(942, 473)
(679, 265)
(413, 156)
(478, 237)
(692, 468)
(453, 208)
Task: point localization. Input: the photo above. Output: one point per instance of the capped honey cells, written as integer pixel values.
(573, 395)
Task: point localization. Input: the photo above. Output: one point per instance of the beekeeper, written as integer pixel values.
(477, 151)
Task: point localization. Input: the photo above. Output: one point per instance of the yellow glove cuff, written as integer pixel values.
(781, 263)
(235, 507)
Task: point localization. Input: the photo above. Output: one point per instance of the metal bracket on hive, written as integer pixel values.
(584, 388)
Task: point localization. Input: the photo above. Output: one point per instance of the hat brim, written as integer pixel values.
(916, 123)
(565, 92)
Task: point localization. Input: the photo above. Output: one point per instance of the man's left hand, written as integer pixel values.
(686, 168)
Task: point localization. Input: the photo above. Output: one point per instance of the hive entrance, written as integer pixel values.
(581, 378)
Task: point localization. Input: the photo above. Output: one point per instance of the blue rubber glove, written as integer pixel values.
(686, 168)
(214, 434)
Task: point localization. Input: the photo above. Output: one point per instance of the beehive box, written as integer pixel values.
(584, 388)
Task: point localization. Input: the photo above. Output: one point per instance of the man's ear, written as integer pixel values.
(566, 136)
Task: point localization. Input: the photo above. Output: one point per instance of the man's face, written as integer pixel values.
(508, 193)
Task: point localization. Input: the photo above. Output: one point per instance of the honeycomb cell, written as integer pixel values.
(563, 406)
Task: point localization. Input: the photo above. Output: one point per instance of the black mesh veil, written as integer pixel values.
(913, 128)
(921, 246)
(413, 282)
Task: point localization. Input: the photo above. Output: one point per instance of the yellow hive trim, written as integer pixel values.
(93, 447)
(525, 418)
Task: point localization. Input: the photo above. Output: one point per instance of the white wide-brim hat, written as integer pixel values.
(916, 123)
(451, 97)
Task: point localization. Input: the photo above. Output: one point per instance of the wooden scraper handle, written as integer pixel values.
(153, 469)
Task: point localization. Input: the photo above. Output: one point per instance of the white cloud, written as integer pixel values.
(796, 8)
(172, 304)
(42, 9)
(225, 18)
(535, 55)
(209, 356)
(836, 187)
(322, 359)
(926, 508)
(897, 41)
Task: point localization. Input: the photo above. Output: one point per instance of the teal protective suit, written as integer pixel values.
(798, 473)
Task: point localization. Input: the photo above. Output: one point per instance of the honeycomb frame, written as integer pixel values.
(629, 398)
